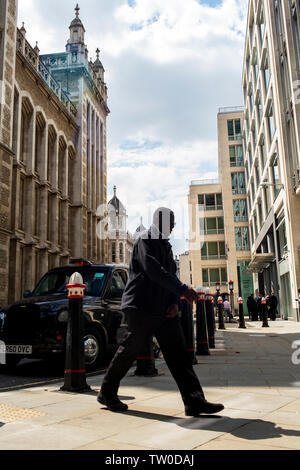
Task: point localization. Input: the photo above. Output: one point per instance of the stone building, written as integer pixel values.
(8, 21)
(52, 156)
(219, 245)
(120, 240)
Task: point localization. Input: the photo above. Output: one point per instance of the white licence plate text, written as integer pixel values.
(18, 349)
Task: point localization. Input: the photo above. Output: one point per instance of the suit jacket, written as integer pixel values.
(152, 284)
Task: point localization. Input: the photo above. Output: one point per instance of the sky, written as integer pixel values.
(170, 65)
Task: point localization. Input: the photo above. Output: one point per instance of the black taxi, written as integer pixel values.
(36, 326)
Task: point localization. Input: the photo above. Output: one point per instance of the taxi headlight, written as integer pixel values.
(63, 316)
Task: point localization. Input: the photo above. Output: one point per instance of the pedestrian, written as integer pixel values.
(252, 308)
(151, 302)
(227, 309)
(272, 302)
(259, 306)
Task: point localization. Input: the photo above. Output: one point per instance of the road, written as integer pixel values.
(32, 372)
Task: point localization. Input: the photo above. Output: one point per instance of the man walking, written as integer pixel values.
(151, 303)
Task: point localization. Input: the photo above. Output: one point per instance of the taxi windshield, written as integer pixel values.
(55, 282)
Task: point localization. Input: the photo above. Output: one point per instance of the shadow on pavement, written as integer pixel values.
(243, 428)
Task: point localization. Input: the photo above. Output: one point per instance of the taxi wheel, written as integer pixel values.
(93, 348)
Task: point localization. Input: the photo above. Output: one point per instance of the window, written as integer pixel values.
(261, 23)
(257, 177)
(210, 201)
(234, 129)
(266, 73)
(213, 250)
(259, 108)
(276, 177)
(236, 155)
(242, 239)
(212, 225)
(255, 64)
(271, 123)
(281, 237)
(262, 152)
(213, 275)
(251, 99)
(240, 212)
(260, 215)
(296, 32)
(22, 204)
(121, 253)
(113, 252)
(238, 183)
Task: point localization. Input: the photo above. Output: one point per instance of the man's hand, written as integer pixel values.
(190, 295)
(172, 311)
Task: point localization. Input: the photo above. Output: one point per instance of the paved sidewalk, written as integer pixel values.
(250, 371)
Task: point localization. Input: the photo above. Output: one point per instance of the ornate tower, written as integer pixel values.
(83, 81)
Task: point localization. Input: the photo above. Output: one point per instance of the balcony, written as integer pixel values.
(210, 208)
(215, 231)
(212, 257)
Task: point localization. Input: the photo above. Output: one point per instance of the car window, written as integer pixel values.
(56, 282)
(117, 285)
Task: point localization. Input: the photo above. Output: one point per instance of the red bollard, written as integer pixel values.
(75, 373)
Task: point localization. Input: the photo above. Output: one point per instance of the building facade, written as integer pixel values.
(8, 30)
(120, 240)
(48, 214)
(219, 246)
(272, 147)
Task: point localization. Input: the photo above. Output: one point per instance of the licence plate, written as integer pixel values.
(17, 349)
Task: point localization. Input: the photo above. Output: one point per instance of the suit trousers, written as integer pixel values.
(169, 334)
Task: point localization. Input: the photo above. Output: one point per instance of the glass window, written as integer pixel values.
(220, 224)
(209, 199)
(214, 274)
(238, 239)
(212, 249)
(271, 123)
(219, 199)
(266, 73)
(211, 225)
(223, 275)
(205, 276)
(236, 210)
(261, 23)
(204, 250)
(201, 199)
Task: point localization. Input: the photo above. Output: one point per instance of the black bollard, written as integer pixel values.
(187, 323)
(241, 314)
(264, 313)
(221, 318)
(75, 373)
(210, 319)
(145, 362)
(201, 327)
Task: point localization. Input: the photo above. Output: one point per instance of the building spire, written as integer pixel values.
(115, 191)
(77, 9)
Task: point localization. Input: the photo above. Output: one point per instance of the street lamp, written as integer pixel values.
(230, 285)
(218, 287)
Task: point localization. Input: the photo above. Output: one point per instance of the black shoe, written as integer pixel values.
(203, 407)
(113, 403)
